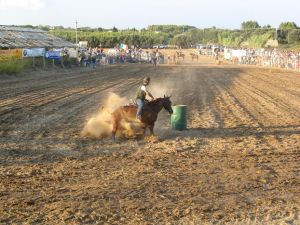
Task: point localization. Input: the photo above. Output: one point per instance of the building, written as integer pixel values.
(16, 37)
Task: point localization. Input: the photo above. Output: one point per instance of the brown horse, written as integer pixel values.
(194, 56)
(149, 114)
(180, 55)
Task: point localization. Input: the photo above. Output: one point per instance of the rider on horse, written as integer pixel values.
(141, 97)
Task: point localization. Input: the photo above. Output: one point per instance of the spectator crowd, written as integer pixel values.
(284, 59)
(94, 57)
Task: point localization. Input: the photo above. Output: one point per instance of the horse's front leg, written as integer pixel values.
(151, 128)
(143, 127)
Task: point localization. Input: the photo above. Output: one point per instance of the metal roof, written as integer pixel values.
(16, 37)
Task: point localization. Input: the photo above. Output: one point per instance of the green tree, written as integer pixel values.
(182, 40)
(267, 26)
(115, 29)
(288, 26)
(294, 36)
(59, 27)
(28, 26)
(248, 25)
(286, 34)
(85, 29)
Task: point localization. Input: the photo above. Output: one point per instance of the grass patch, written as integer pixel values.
(13, 67)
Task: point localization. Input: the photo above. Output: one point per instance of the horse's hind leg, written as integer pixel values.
(115, 128)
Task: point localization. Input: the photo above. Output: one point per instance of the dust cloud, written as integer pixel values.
(100, 125)
(164, 88)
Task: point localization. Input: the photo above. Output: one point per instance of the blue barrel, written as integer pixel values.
(179, 117)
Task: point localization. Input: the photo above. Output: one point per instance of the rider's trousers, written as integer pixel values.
(140, 104)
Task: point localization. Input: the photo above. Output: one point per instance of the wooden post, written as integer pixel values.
(44, 62)
(33, 62)
(62, 62)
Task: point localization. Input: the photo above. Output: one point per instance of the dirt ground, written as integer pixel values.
(238, 163)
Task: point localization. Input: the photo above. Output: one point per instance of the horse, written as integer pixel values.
(149, 114)
(180, 55)
(194, 56)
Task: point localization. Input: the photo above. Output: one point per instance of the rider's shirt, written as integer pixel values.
(144, 88)
(142, 92)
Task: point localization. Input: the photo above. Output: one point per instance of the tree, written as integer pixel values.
(294, 36)
(86, 29)
(288, 26)
(267, 26)
(28, 26)
(59, 27)
(286, 34)
(181, 40)
(45, 28)
(115, 29)
(248, 25)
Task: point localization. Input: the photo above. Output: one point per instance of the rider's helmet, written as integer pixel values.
(146, 80)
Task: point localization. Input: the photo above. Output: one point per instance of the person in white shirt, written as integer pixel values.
(141, 97)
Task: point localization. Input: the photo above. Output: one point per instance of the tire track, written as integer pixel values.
(57, 95)
(270, 91)
(267, 103)
(57, 91)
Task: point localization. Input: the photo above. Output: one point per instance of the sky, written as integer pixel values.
(141, 13)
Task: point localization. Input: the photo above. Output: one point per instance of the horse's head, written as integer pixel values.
(167, 104)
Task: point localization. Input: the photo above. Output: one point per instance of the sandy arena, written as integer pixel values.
(238, 163)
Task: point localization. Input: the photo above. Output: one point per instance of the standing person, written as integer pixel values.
(148, 57)
(154, 59)
(169, 59)
(94, 59)
(157, 56)
(174, 58)
(141, 97)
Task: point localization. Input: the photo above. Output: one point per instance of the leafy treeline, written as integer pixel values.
(171, 30)
(251, 34)
(111, 39)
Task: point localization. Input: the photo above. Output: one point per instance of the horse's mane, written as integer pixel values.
(155, 101)
(151, 103)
